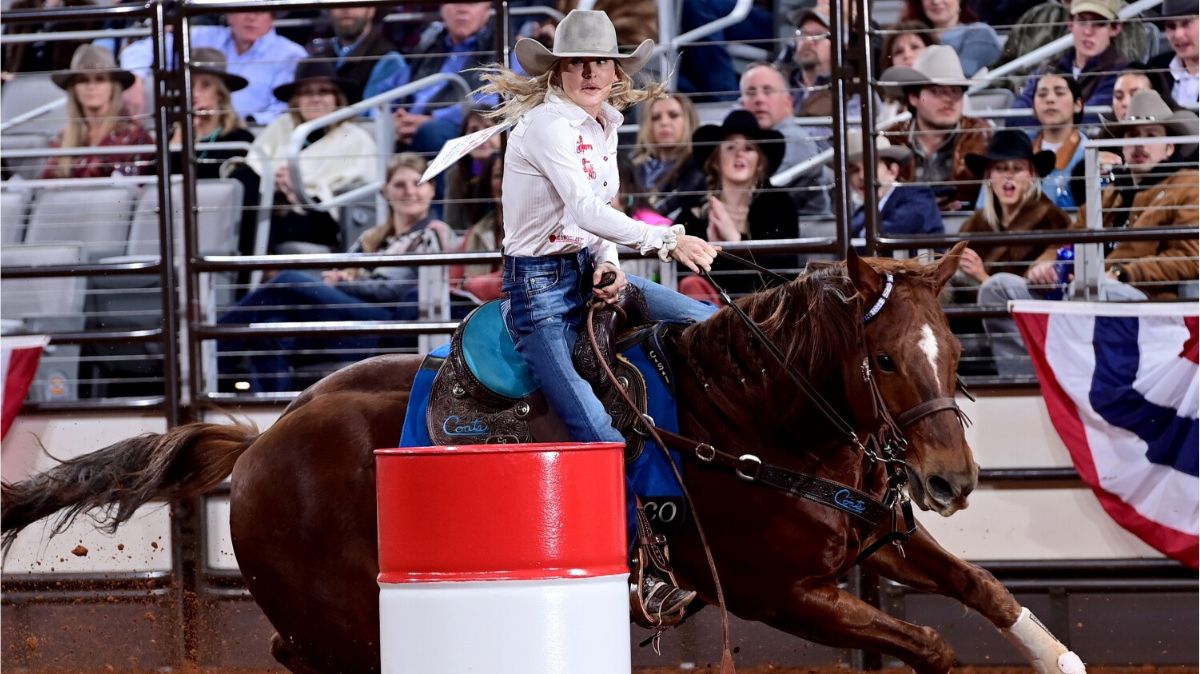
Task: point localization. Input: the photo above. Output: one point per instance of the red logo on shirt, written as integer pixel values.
(567, 239)
(581, 146)
(588, 169)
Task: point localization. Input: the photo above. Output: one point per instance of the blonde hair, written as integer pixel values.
(521, 93)
(228, 118)
(991, 203)
(646, 146)
(74, 133)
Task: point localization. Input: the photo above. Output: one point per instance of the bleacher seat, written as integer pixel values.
(218, 214)
(47, 305)
(953, 222)
(96, 216)
(26, 92)
(14, 204)
(986, 100)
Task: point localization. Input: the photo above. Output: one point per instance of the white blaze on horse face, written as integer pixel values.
(929, 345)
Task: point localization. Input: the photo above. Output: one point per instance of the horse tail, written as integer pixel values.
(182, 463)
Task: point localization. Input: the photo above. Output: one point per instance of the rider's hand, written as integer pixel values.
(610, 293)
(695, 253)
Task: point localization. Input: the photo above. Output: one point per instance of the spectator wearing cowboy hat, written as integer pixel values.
(334, 159)
(738, 157)
(1094, 59)
(214, 119)
(97, 118)
(1013, 201)
(903, 208)
(1181, 24)
(1150, 193)
(765, 94)
(939, 135)
(1151, 189)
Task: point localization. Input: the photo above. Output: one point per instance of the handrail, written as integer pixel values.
(739, 12)
(1052, 48)
(301, 133)
(16, 38)
(36, 112)
(782, 178)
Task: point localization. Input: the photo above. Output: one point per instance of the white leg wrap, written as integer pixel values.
(1046, 654)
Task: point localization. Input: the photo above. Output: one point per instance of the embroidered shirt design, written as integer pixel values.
(588, 168)
(580, 146)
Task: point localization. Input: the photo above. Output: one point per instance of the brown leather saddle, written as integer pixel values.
(484, 392)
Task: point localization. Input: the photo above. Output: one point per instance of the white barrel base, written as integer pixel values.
(558, 626)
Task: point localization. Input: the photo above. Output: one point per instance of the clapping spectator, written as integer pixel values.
(334, 159)
(1013, 201)
(903, 208)
(976, 43)
(738, 156)
(252, 49)
(358, 294)
(939, 135)
(361, 53)
(1181, 25)
(664, 141)
(1094, 59)
(765, 95)
(96, 118)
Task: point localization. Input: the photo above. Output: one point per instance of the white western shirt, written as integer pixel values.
(560, 177)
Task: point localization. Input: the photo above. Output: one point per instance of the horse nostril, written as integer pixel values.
(940, 489)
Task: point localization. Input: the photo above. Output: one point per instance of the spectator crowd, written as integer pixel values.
(968, 135)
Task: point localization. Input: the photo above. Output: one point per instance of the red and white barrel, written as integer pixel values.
(503, 559)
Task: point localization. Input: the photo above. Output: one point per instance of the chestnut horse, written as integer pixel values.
(302, 506)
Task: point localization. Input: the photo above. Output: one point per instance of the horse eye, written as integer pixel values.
(885, 362)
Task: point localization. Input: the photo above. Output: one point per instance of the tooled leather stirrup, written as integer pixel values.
(655, 597)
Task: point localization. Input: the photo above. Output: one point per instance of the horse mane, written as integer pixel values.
(814, 318)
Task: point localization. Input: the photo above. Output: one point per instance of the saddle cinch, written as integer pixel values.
(485, 393)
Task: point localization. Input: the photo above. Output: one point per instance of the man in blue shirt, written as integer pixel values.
(462, 40)
(252, 50)
(361, 53)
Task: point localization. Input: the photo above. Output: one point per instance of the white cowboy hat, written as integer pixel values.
(938, 65)
(583, 33)
(1148, 107)
(883, 149)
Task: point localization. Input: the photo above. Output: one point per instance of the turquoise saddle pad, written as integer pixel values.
(490, 354)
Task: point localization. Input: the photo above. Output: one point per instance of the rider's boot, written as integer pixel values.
(655, 596)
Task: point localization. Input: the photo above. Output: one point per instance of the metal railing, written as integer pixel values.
(384, 138)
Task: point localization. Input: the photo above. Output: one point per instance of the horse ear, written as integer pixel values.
(862, 275)
(949, 264)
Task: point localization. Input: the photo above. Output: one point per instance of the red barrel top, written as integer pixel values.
(501, 512)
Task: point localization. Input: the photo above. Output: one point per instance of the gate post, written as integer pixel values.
(503, 559)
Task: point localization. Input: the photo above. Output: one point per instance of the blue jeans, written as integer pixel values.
(548, 298)
(297, 296)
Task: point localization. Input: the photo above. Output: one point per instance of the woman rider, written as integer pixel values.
(560, 231)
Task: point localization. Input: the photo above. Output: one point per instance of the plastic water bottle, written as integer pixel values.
(1065, 266)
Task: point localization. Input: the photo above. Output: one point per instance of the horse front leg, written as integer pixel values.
(822, 613)
(927, 566)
